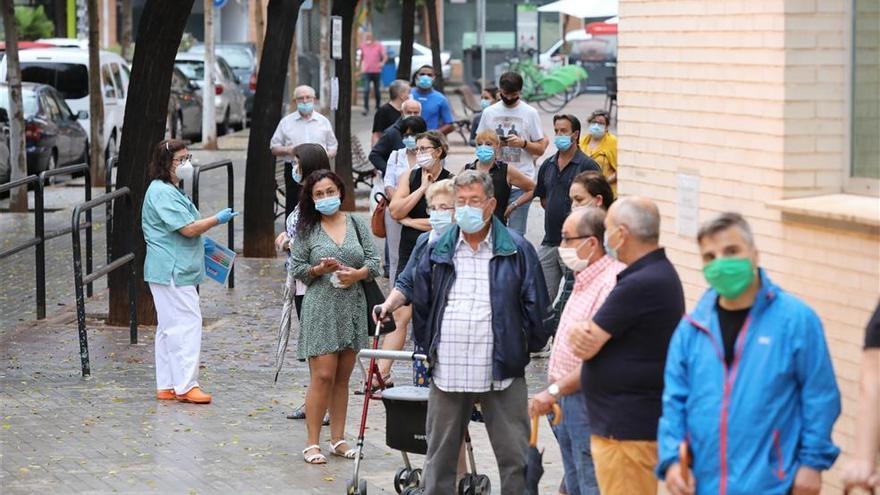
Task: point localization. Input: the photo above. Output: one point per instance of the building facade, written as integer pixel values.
(769, 108)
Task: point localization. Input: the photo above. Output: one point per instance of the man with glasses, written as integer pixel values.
(305, 125)
(518, 125)
(479, 303)
(595, 275)
(435, 106)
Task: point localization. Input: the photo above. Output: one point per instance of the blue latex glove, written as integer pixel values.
(226, 214)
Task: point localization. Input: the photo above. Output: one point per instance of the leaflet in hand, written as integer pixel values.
(218, 261)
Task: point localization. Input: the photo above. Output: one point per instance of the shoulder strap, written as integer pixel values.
(357, 228)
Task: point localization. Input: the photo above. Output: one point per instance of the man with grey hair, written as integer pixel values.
(392, 138)
(624, 347)
(305, 125)
(582, 251)
(479, 301)
(389, 113)
(749, 377)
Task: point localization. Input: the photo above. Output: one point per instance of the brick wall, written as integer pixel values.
(751, 96)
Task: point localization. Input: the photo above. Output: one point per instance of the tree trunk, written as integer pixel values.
(259, 186)
(209, 109)
(260, 27)
(407, 33)
(126, 29)
(293, 71)
(434, 29)
(18, 198)
(159, 32)
(345, 9)
(324, 57)
(96, 99)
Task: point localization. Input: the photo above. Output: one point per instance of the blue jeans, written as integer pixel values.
(573, 435)
(520, 216)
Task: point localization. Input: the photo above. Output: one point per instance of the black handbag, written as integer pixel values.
(373, 294)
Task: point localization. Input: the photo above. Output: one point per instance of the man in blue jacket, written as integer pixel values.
(479, 301)
(748, 382)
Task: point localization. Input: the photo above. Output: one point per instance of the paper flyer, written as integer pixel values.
(218, 261)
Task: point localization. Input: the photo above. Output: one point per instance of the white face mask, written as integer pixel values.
(570, 257)
(424, 160)
(186, 166)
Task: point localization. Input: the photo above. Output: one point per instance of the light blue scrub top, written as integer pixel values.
(170, 254)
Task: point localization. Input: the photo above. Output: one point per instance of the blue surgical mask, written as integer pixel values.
(597, 130)
(485, 153)
(424, 81)
(440, 221)
(484, 103)
(328, 206)
(297, 176)
(469, 218)
(562, 142)
(410, 142)
(305, 108)
(610, 251)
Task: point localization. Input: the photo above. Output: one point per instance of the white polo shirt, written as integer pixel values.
(294, 130)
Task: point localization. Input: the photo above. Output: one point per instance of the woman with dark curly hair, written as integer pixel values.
(174, 266)
(332, 252)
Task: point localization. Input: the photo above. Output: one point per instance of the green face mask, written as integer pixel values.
(730, 277)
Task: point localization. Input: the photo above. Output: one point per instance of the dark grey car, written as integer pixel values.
(242, 58)
(184, 108)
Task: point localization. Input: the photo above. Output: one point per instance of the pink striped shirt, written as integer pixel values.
(591, 287)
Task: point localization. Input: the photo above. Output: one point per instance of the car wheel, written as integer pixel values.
(110, 150)
(223, 127)
(52, 164)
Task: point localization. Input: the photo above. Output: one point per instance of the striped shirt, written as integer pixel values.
(591, 287)
(464, 353)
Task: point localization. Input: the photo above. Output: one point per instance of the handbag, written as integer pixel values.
(372, 293)
(377, 221)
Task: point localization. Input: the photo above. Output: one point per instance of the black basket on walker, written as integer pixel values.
(406, 410)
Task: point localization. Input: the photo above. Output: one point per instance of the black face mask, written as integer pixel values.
(509, 101)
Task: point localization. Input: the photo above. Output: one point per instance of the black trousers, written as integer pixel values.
(372, 78)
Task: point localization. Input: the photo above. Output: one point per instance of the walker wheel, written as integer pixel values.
(483, 485)
(362, 487)
(401, 479)
(414, 478)
(467, 485)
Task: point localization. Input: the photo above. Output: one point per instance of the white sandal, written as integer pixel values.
(348, 454)
(314, 458)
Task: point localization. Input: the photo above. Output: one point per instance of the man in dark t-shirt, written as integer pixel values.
(389, 113)
(625, 350)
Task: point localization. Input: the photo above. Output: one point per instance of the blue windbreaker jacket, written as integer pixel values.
(750, 427)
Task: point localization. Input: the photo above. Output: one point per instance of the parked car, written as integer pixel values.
(184, 108)
(421, 56)
(597, 54)
(53, 134)
(229, 97)
(242, 58)
(67, 70)
(5, 166)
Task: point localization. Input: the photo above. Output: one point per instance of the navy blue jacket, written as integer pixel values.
(518, 298)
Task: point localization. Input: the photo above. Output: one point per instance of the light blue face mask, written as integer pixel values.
(305, 108)
(410, 142)
(485, 153)
(562, 142)
(424, 81)
(440, 221)
(597, 130)
(610, 251)
(470, 219)
(484, 103)
(328, 206)
(297, 176)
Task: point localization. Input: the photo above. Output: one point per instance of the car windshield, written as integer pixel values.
(193, 69)
(28, 97)
(71, 80)
(237, 58)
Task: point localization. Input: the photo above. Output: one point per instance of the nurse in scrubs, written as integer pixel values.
(173, 268)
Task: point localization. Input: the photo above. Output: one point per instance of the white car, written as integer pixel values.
(229, 98)
(553, 56)
(421, 56)
(67, 70)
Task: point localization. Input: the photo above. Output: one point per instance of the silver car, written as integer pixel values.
(229, 98)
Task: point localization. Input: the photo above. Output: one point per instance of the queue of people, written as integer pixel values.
(737, 396)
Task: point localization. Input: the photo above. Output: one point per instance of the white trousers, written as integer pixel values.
(178, 337)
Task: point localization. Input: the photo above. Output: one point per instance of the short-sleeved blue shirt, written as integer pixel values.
(435, 108)
(170, 254)
(623, 382)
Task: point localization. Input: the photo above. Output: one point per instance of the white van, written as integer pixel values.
(67, 69)
(554, 56)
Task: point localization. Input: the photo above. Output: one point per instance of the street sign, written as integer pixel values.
(219, 4)
(336, 37)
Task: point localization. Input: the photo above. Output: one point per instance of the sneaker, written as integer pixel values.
(195, 396)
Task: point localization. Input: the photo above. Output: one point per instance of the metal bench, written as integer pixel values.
(363, 170)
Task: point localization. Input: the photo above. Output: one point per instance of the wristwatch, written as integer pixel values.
(553, 390)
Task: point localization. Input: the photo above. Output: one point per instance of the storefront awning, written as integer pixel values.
(582, 8)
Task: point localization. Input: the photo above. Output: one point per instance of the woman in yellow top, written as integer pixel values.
(600, 145)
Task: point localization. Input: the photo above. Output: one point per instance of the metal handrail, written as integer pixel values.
(81, 280)
(108, 213)
(230, 198)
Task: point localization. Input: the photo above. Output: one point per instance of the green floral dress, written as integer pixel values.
(333, 319)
